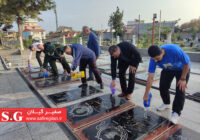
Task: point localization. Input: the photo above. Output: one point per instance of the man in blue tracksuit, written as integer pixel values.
(175, 63)
(92, 44)
(83, 56)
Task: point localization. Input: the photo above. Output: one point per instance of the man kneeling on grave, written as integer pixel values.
(127, 56)
(55, 52)
(83, 56)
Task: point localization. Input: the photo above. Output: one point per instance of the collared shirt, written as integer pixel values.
(81, 52)
(174, 59)
(35, 45)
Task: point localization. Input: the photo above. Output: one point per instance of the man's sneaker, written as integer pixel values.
(90, 79)
(83, 85)
(163, 107)
(174, 118)
(101, 86)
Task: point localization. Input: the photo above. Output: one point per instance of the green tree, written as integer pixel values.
(115, 22)
(24, 9)
(5, 21)
(164, 31)
(192, 27)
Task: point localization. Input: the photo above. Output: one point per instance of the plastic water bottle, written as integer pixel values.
(147, 105)
(45, 74)
(77, 75)
(112, 89)
(48, 68)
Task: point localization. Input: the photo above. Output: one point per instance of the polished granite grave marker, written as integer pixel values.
(91, 108)
(180, 133)
(128, 125)
(197, 95)
(49, 82)
(38, 75)
(74, 94)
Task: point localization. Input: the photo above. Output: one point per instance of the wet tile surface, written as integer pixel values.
(184, 134)
(91, 108)
(33, 70)
(48, 82)
(107, 70)
(15, 62)
(72, 95)
(144, 76)
(128, 125)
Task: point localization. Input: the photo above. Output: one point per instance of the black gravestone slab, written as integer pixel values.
(184, 134)
(91, 108)
(144, 76)
(39, 75)
(48, 82)
(197, 95)
(128, 125)
(68, 96)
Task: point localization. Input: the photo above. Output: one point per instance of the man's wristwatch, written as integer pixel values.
(183, 79)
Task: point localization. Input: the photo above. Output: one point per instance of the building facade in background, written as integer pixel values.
(33, 29)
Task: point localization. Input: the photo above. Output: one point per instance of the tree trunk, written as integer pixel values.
(1, 38)
(20, 36)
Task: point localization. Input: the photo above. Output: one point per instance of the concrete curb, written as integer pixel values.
(4, 63)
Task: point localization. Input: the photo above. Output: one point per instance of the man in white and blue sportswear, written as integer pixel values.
(83, 56)
(92, 44)
(175, 63)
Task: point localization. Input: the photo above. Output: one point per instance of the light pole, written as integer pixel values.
(154, 17)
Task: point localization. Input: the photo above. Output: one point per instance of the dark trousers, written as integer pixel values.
(165, 83)
(64, 63)
(91, 75)
(122, 78)
(38, 53)
(93, 67)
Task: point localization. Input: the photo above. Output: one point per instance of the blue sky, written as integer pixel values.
(95, 13)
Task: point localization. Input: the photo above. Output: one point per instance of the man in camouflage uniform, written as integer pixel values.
(55, 52)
